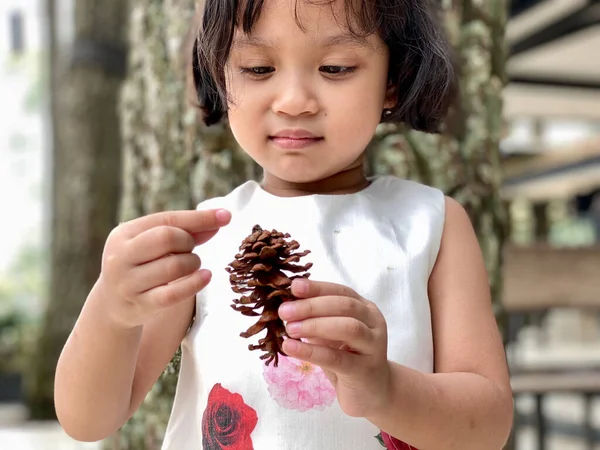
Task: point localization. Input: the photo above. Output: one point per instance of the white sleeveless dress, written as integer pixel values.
(382, 242)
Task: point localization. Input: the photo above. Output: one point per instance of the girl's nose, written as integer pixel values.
(296, 97)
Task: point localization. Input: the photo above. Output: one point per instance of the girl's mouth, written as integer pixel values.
(294, 143)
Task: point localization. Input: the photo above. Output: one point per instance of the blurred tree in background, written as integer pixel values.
(173, 161)
(86, 162)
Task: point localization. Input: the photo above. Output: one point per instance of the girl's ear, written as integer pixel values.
(391, 96)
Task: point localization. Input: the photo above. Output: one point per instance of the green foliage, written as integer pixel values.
(22, 287)
(29, 66)
(24, 283)
(36, 91)
(11, 352)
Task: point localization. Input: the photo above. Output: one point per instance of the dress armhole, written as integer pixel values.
(437, 229)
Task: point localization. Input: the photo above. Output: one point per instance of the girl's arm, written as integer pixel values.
(133, 319)
(467, 403)
(105, 371)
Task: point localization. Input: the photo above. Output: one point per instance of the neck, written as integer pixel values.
(347, 182)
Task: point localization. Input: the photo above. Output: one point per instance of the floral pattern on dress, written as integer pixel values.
(298, 385)
(227, 422)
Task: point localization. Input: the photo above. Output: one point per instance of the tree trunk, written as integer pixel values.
(85, 177)
(171, 160)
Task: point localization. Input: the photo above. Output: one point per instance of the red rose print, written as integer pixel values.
(227, 421)
(391, 443)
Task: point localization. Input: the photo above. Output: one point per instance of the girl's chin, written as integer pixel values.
(293, 176)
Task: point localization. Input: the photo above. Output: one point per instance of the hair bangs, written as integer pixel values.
(359, 16)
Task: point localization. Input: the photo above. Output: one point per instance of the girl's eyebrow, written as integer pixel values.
(347, 39)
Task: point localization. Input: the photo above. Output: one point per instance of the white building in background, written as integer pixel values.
(21, 126)
(21, 25)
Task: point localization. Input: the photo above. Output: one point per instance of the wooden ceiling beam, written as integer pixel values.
(538, 277)
(518, 7)
(584, 17)
(557, 82)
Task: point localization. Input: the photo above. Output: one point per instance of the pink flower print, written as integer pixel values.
(298, 385)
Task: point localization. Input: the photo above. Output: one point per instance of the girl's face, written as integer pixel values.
(304, 104)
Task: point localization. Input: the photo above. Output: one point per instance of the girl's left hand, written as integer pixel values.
(346, 336)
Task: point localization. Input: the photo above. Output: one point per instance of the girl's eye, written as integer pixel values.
(263, 71)
(337, 70)
(260, 71)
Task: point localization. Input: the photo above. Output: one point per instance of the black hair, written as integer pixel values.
(421, 68)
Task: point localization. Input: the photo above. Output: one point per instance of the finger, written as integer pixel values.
(351, 332)
(327, 306)
(335, 345)
(326, 342)
(157, 242)
(204, 236)
(162, 271)
(329, 359)
(178, 291)
(189, 220)
(304, 288)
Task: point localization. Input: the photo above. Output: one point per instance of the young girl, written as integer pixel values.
(391, 344)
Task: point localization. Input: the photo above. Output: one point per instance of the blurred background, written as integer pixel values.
(99, 125)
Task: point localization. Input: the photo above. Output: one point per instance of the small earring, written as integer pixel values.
(387, 112)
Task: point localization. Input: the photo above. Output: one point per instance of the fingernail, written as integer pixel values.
(223, 215)
(286, 310)
(205, 275)
(293, 328)
(300, 286)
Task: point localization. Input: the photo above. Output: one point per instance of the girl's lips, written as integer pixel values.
(294, 143)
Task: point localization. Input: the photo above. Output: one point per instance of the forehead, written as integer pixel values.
(326, 23)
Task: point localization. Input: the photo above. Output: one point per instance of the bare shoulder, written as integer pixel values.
(466, 336)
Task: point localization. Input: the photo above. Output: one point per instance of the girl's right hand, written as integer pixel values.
(148, 264)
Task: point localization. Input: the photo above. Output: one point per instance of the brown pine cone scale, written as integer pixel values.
(258, 272)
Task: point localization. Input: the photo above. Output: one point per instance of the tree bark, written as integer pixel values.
(85, 178)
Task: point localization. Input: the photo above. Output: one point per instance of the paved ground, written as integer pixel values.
(40, 437)
(16, 434)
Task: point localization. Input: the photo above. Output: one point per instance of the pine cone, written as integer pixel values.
(259, 270)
